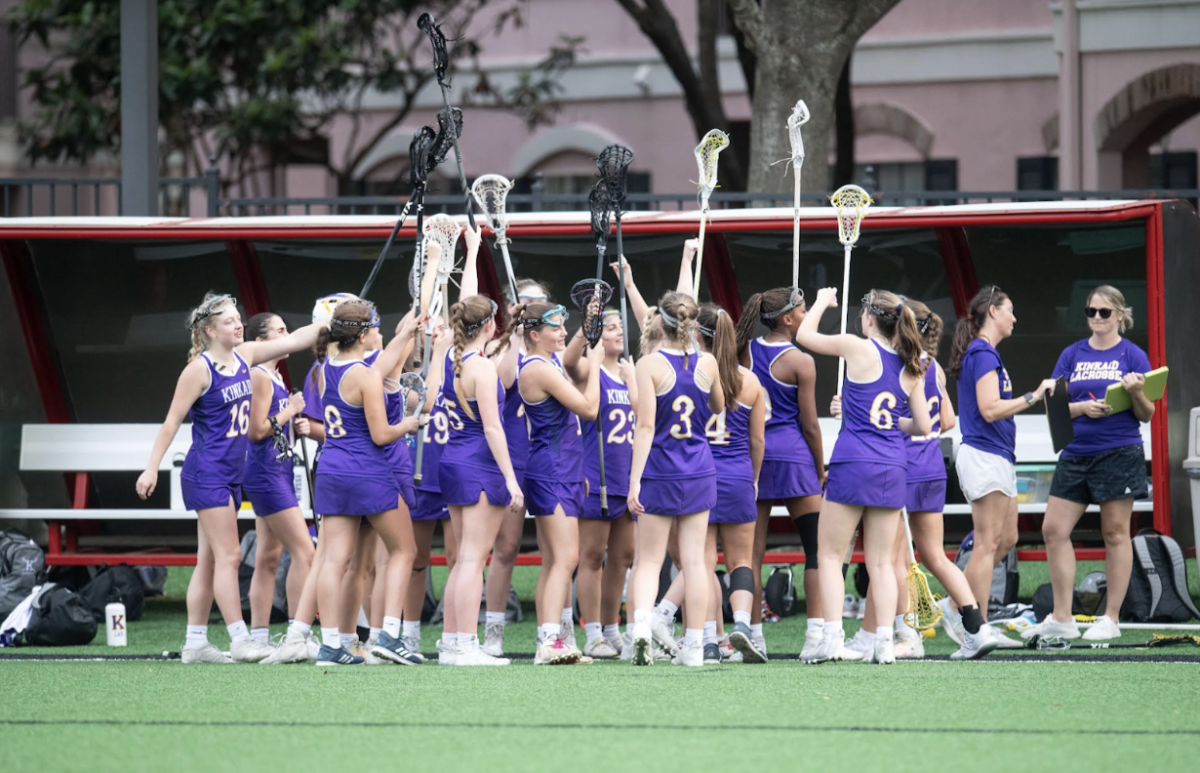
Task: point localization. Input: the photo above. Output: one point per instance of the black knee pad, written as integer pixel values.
(806, 525)
(741, 578)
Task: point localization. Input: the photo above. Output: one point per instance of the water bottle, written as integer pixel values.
(115, 624)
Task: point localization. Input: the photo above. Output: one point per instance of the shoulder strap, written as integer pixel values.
(1142, 551)
(1179, 570)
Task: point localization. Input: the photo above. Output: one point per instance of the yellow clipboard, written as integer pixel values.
(1155, 387)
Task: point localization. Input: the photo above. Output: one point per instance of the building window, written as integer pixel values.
(1038, 173)
(1173, 171)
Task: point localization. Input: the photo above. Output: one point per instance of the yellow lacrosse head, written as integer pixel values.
(851, 203)
(706, 161)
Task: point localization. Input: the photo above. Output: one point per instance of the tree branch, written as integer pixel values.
(748, 16)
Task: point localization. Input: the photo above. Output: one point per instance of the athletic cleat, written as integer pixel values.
(205, 653)
(627, 644)
(355, 647)
(812, 646)
(691, 655)
(712, 654)
(974, 647)
(493, 640)
(1103, 629)
(1003, 641)
(952, 622)
(600, 649)
(642, 638)
(861, 642)
(727, 649)
(475, 656)
(447, 653)
(337, 657)
(391, 649)
(743, 642)
(413, 645)
(883, 653)
(664, 633)
(313, 643)
(908, 645)
(833, 648)
(370, 658)
(293, 649)
(250, 651)
(1051, 628)
(556, 652)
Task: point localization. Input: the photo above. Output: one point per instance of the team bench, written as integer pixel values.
(79, 450)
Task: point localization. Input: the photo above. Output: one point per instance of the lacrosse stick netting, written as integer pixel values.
(613, 163)
(797, 119)
(589, 296)
(601, 209)
(851, 203)
(923, 612)
(490, 192)
(445, 231)
(706, 162)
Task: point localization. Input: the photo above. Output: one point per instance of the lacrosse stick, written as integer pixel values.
(490, 191)
(706, 161)
(590, 295)
(429, 277)
(613, 163)
(418, 171)
(307, 470)
(444, 230)
(1158, 640)
(441, 61)
(600, 205)
(798, 118)
(851, 203)
(923, 612)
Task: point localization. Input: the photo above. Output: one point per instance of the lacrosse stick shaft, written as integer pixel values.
(796, 235)
(912, 555)
(845, 308)
(462, 175)
(621, 285)
(1153, 626)
(312, 499)
(508, 268)
(418, 477)
(603, 479)
(700, 255)
(386, 246)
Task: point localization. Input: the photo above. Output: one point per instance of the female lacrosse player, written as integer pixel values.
(555, 483)
(600, 581)
(356, 479)
(986, 458)
(867, 469)
(793, 470)
(269, 483)
(672, 475)
(508, 541)
(477, 476)
(214, 390)
(1104, 464)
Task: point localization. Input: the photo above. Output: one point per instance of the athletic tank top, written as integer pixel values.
(467, 444)
(729, 439)
(515, 431)
(263, 469)
(870, 417)
(220, 423)
(437, 434)
(785, 441)
(555, 436)
(349, 449)
(925, 453)
(397, 453)
(616, 426)
(680, 448)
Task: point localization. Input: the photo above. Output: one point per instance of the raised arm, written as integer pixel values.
(191, 384)
(858, 352)
(574, 362)
(255, 352)
(370, 384)
(686, 277)
(399, 348)
(637, 304)
(586, 405)
(470, 274)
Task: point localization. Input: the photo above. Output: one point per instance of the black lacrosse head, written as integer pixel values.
(418, 156)
(601, 206)
(613, 163)
(584, 294)
(445, 140)
(438, 40)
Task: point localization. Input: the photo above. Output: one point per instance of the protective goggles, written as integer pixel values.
(536, 322)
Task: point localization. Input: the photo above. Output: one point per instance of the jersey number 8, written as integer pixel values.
(333, 422)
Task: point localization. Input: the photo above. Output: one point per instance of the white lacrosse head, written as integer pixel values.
(489, 191)
(323, 309)
(706, 161)
(851, 202)
(444, 230)
(798, 118)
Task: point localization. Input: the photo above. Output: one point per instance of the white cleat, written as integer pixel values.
(833, 649)
(370, 658)
(205, 653)
(293, 649)
(908, 645)
(471, 654)
(974, 647)
(691, 655)
(952, 622)
(493, 640)
(1103, 629)
(250, 651)
(600, 649)
(313, 643)
(861, 641)
(883, 653)
(1003, 641)
(1051, 628)
(664, 633)
(812, 646)
(642, 639)
(447, 653)
(413, 645)
(555, 652)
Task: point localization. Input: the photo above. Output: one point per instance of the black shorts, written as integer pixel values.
(1112, 475)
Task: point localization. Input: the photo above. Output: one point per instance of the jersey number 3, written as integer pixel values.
(682, 429)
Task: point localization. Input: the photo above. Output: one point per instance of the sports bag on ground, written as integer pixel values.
(1158, 588)
(60, 618)
(115, 583)
(1006, 577)
(21, 561)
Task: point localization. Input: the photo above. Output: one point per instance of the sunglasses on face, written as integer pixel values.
(525, 298)
(1104, 313)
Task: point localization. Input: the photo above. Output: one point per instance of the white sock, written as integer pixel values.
(902, 626)
(568, 616)
(495, 618)
(374, 635)
(693, 637)
(815, 626)
(834, 630)
(237, 632)
(392, 626)
(346, 638)
(550, 631)
(612, 633)
(304, 629)
(467, 641)
(710, 631)
(331, 638)
(260, 635)
(756, 630)
(197, 636)
(741, 617)
(594, 632)
(412, 628)
(884, 633)
(666, 608)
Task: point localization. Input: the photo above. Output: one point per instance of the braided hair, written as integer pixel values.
(468, 318)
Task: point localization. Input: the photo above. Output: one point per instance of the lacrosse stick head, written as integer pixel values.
(585, 294)
(444, 230)
(412, 393)
(601, 207)
(490, 191)
(437, 39)
(798, 118)
(851, 203)
(418, 156)
(449, 120)
(923, 612)
(613, 163)
(706, 162)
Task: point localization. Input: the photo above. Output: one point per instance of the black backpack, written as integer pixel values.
(60, 618)
(1043, 602)
(249, 548)
(115, 583)
(1158, 589)
(21, 563)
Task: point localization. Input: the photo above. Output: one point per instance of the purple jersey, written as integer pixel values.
(785, 441)
(220, 420)
(466, 444)
(870, 416)
(555, 437)
(397, 453)
(1090, 372)
(515, 430)
(925, 453)
(437, 434)
(680, 449)
(997, 437)
(616, 423)
(349, 449)
(264, 469)
(729, 438)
